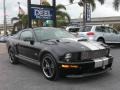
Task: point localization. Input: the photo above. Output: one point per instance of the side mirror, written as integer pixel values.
(31, 42)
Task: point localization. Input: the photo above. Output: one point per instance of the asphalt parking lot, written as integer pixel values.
(24, 77)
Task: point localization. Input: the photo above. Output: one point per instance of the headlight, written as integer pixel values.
(68, 56)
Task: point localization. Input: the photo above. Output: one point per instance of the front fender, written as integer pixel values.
(45, 51)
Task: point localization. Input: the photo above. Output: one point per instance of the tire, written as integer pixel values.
(12, 58)
(49, 67)
(101, 40)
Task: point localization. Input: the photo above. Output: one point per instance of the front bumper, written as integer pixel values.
(88, 68)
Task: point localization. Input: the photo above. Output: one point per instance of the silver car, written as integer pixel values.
(98, 33)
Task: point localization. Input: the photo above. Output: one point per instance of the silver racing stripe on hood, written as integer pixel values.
(89, 44)
(97, 44)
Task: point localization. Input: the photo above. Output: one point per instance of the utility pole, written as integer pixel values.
(84, 13)
(5, 23)
(83, 4)
(54, 21)
(29, 14)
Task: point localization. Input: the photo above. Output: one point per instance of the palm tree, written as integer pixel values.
(116, 4)
(63, 18)
(92, 2)
(14, 19)
(83, 2)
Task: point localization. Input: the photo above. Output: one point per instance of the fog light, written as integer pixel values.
(65, 66)
(74, 66)
(69, 66)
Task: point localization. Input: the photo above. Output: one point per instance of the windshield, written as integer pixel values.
(52, 33)
(86, 29)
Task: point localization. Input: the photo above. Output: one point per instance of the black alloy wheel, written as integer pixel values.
(12, 58)
(49, 67)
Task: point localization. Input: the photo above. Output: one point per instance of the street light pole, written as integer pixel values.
(5, 23)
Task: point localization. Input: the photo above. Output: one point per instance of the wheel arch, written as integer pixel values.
(101, 38)
(47, 52)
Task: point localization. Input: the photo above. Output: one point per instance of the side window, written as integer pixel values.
(74, 30)
(107, 30)
(100, 29)
(26, 35)
(113, 31)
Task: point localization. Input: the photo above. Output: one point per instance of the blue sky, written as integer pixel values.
(74, 10)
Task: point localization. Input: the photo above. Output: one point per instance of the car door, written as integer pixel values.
(27, 49)
(107, 35)
(114, 35)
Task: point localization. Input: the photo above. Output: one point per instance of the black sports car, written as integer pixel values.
(59, 53)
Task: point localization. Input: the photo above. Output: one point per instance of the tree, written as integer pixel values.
(116, 4)
(62, 17)
(83, 4)
(92, 2)
(14, 19)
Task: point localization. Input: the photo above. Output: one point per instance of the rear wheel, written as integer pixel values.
(49, 67)
(101, 40)
(12, 58)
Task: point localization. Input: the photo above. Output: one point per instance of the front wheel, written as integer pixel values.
(49, 67)
(12, 58)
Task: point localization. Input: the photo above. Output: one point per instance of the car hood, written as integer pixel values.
(74, 45)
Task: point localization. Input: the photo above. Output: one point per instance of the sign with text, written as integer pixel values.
(42, 13)
(88, 12)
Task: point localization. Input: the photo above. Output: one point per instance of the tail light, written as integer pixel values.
(90, 33)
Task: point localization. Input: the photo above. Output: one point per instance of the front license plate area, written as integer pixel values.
(101, 62)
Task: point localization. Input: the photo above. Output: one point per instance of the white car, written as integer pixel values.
(98, 33)
(74, 30)
(3, 38)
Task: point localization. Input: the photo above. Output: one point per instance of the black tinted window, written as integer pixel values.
(100, 29)
(26, 34)
(107, 30)
(74, 29)
(86, 29)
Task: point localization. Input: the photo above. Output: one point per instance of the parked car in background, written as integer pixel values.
(59, 53)
(3, 38)
(102, 34)
(73, 30)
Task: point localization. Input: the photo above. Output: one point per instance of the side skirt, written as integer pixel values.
(24, 58)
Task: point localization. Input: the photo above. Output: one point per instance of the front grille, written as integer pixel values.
(87, 55)
(94, 54)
